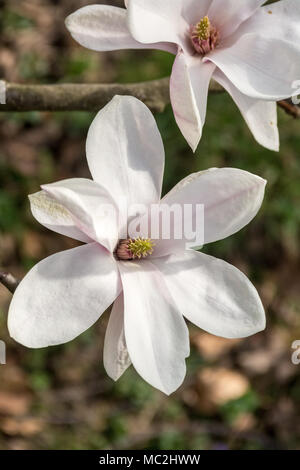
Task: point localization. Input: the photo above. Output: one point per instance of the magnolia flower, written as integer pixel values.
(250, 49)
(151, 284)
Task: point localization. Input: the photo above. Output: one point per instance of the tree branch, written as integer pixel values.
(84, 97)
(290, 108)
(92, 97)
(9, 281)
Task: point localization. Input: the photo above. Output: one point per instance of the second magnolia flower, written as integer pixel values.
(250, 49)
(151, 295)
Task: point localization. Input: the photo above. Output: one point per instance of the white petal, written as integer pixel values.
(261, 67)
(261, 116)
(104, 28)
(156, 334)
(194, 11)
(231, 199)
(188, 90)
(115, 355)
(125, 152)
(155, 21)
(227, 15)
(212, 294)
(54, 216)
(63, 295)
(278, 20)
(92, 208)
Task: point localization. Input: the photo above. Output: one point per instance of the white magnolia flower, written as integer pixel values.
(251, 50)
(63, 295)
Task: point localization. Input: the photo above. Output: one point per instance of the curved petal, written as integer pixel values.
(231, 199)
(188, 91)
(278, 20)
(104, 28)
(156, 334)
(193, 10)
(260, 67)
(155, 21)
(125, 152)
(48, 212)
(228, 15)
(261, 116)
(212, 294)
(115, 354)
(91, 207)
(63, 295)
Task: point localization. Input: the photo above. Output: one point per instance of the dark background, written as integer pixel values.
(241, 394)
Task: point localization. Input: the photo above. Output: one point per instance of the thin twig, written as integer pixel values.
(9, 281)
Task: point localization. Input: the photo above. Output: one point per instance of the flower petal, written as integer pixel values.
(125, 152)
(260, 67)
(156, 334)
(115, 355)
(231, 199)
(278, 20)
(152, 21)
(261, 116)
(227, 15)
(193, 10)
(92, 208)
(188, 90)
(54, 216)
(212, 294)
(63, 295)
(104, 28)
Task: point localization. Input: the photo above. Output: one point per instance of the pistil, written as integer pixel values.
(204, 36)
(134, 248)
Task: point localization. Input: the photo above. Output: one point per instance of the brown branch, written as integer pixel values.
(290, 108)
(9, 281)
(84, 97)
(92, 97)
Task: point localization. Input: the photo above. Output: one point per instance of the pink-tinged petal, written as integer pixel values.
(212, 294)
(231, 199)
(228, 15)
(91, 207)
(261, 116)
(54, 216)
(193, 10)
(152, 21)
(104, 28)
(278, 20)
(63, 295)
(260, 67)
(125, 152)
(115, 355)
(156, 334)
(189, 90)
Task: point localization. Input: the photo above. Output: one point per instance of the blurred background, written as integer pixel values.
(241, 394)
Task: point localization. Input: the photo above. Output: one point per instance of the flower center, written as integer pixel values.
(131, 249)
(204, 36)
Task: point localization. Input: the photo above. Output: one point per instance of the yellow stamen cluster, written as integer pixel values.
(202, 29)
(141, 247)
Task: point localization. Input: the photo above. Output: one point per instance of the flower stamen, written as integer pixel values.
(204, 36)
(134, 248)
